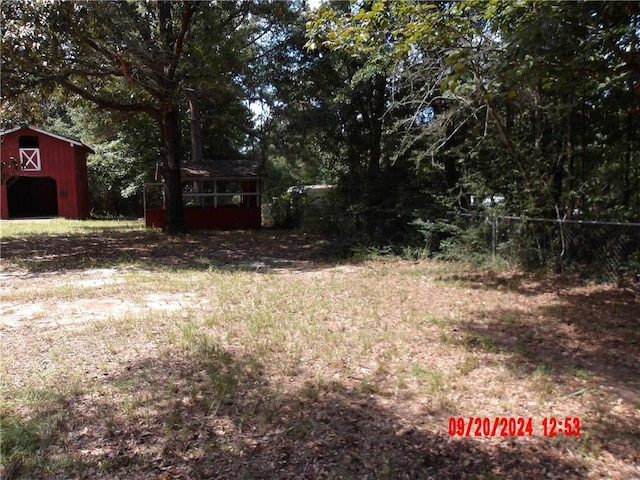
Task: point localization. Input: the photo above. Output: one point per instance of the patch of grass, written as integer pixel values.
(191, 338)
(363, 253)
(543, 382)
(438, 321)
(434, 385)
(221, 370)
(368, 386)
(63, 226)
(469, 364)
(313, 389)
(454, 280)
(588, 445)
(526, 345)
(258, 367)
(480, 341)
(580, 373)
(541, 371)
(20, 441)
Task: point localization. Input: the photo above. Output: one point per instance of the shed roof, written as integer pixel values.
(241, 168)
(72, 141)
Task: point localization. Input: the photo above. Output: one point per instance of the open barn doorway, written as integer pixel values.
(32, 197)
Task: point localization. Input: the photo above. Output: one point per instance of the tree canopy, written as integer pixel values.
(526, 95)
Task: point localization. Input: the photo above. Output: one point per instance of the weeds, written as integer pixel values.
(19, 442)
(543, 383)
(208, 363)
(480, 341)
(469, 364)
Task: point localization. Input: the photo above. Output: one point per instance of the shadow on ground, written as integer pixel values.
(583, 338)
(211, 415)
(259, 250)
(526, 283)
(576, 326)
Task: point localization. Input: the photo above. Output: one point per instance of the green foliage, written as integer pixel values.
(19, 442)
(630, 269)
(310, 210)
(530, 101)
(436, 233)
(282, 211)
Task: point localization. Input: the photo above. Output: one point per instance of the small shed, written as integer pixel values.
(42, 174)
(218, 194)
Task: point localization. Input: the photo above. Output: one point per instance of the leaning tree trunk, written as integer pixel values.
(170, 134)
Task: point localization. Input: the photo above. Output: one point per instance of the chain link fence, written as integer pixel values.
(601, 250)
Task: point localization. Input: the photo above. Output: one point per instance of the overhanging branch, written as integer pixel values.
(109, 104)
(187, 13)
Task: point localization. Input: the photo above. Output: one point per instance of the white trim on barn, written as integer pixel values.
(71, 141)
(30, 159)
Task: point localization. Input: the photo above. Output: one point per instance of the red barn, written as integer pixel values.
(42, 174)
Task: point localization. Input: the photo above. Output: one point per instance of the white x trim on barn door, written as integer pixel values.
(30, 159)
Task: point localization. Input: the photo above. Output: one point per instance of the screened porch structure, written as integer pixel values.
(221, 194)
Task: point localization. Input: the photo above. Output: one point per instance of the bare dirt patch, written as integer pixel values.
(255, 355)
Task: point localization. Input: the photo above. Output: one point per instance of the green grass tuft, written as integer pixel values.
(19, 442)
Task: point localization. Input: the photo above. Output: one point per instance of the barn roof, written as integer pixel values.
(72, 141)
(223, 169)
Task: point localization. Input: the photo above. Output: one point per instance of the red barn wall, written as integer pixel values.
(66, 163)
(4, 206)
(82, 182)
(208, 217)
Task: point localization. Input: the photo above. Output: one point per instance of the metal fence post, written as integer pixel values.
(602, 249)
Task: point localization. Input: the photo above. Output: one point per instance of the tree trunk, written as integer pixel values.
(196, 130)
(170, 135)
(377, 111)
(570, 206)
(537, 116)
(373, 194)
(628, 157)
